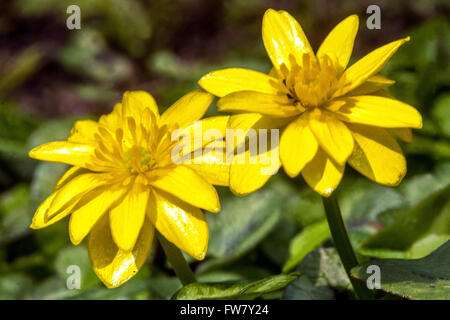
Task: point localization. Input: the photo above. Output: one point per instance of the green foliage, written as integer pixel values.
(423, 279)
(203, 291)
(420, 229)
(14, 213)
(50, 79)
(307, 240)
(322, 270)
(243, 223)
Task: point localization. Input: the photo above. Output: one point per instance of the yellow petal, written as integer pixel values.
(42, 218)
(297, 146)
(251, 170)
(208, 130)
(323, 174)
(377, 155)
(39, 220)
(112, 265)
(404, 134)
(340, 41)
(64, 152)
(83, 132)
(185, 184)
(68, 176)
(282, 36)
(274, 73)
(90, 208)
(333, 135)
(371, 85)
(378, 111)
(127, 217)
(189, 108)
(211, 165)
(74, 189)
(246, 121)
(180, 223)
(135, 102)
(226, 81)
(114, 119)
(367, 66)
(265, 104)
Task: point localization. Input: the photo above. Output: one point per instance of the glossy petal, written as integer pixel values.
(42, 218)
(127, 217)
(39, 220)
(323, 174)
(226, 81)
(211, 165)
(76, 188)
(333, 135)
(254, 102)
(340, 41)
(75, 154)
(112, 265)
(368, 66)
(91, 208)
(189, 108)
(371, 85)
(282, 36)
(378, 111)
(377, 155)
(297, 146)
(251, 170)
(180, 223)
(186, 185)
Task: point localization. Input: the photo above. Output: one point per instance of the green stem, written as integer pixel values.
(177, 261)
(343, 245)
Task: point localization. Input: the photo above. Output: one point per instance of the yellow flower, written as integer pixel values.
(123, 183)
(329, 114)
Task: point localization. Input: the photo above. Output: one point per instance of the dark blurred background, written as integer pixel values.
(51, 76)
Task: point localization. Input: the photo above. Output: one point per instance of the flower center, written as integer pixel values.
(138, 159)
(312, 83)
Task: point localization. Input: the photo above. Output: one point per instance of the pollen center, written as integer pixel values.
(312, 83)
(138, 160)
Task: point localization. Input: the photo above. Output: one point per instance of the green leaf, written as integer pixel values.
(76, 256)
(276, 245)
(55, 130)
(164, 287)
(306, 289)
(416, 232)
(307, 240)
(423, 279)
(441, 112)
(324, 267)
(125, 291)
(243, 223)
(44, 180)
(53, 288)
(14, 286)
(15, 215)
(204, 291)
(306, 206)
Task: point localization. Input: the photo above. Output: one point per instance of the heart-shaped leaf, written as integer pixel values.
(423, 279)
